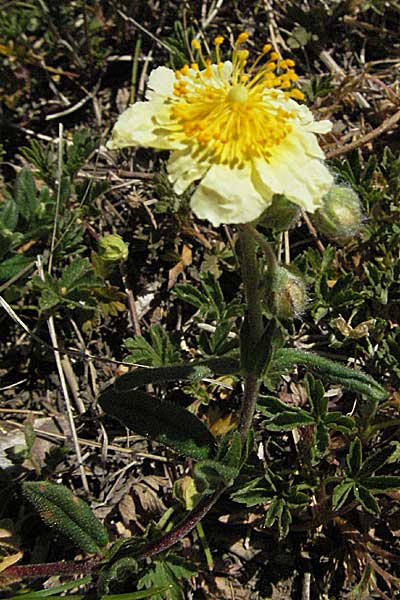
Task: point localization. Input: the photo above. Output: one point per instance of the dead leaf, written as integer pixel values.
(149, 500)
(127, 509)
(186, 260)
(8, 561)
(355, 333)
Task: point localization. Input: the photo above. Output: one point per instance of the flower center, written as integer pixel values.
(238, 93)
(228, 113)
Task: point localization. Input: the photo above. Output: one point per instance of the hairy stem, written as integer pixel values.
(183, 528)
(49, 569)
(251, 283)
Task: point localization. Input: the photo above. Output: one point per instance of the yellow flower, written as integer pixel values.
(238, 128)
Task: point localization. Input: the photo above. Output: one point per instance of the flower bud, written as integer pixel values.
(340, 217)
(112, 248)
(288, 294)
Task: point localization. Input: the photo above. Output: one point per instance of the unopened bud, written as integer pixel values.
(112, 248)
(340, 217)
(288, 294)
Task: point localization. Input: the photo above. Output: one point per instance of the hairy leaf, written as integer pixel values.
(67, 513)
(162, 421)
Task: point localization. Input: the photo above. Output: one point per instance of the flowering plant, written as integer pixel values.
(237, 127)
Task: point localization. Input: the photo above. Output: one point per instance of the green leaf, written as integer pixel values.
(265, 347)
(162, 421)
(321, 438)
(341, 493)
(289, 420)
(316, 396)
(274, 511)
(233, 454)
(194, 371)
(188, 293)
(335, 420)
(14, 265)
(211, 474)
(376, 461)
(213, 290)
(253, 493)
(83, 144)
(78, 275)
(168, 571)
(354, 457)
(351, 379)
(69, 585)
(67, 513)
(150, 593)
(157, 375)
(25, 194)
(382, 483)
(366, 499)
(279, 513)
(284, 522)
(158, 352)
(8, 215)
(296, 498)
(50, 296)
(271, 406)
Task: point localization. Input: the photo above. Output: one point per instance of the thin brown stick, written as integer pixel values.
(64, 388)
(385, 126)
(313, 231)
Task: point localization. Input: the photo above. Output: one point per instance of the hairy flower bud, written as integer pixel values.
(288, 294)
(112, 248)
(340, 217)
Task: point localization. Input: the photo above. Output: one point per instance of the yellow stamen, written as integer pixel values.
(242, 38)
(233, 115)
(296, 94)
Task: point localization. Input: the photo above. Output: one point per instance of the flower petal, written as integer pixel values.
(309, 143)
(135, 126)
(139, 125)
(183, 170)
(228, 196)
(302, 179)
(160, 83)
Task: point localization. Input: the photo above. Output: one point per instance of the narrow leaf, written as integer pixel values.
(25, 194)
(376, 461)
(382, 483)
(354, 457)
(139, 377)
(341, 493)
(289, 420)
(366, 499)
(129, 596)
(351, 379)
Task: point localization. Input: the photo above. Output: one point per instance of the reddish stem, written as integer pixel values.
(152, 548)
(55, 568)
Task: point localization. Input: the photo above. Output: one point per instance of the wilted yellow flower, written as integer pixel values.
(238, 128)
